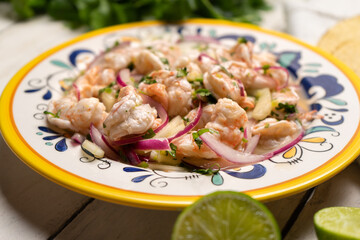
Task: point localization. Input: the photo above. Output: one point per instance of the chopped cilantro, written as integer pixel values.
(131, 66)
(287, 108)
(107, 89)
(149, 134)
(104, 126)
(209, 171)
(274, 114)
(223, 59)
(182, 72)
(267, 125)
(241, 129)
(196, 135)
(242, 40)
(244, 140)
(164, 61)
(265, 68)
(173, 150)
(117, 93)
(203, 92)
(57, 115)
(186, 119)
(226, 71)
(148, 80)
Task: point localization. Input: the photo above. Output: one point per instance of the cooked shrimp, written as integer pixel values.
(243, 52)
(77, 116)
(85, 112)
(226, 118)
(205, 116)
(157, 91)
(147, 62)
(286, 95)
(178, 91)
(129, 115)
(272, 128)
(222, 84)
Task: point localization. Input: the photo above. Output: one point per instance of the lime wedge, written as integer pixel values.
(226, 215)
(338, 223)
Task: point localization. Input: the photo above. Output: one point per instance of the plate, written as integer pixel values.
(329, 145)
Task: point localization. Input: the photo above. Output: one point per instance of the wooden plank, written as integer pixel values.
(342, 190)
(281, 213)
(31, 207)
(102, 220)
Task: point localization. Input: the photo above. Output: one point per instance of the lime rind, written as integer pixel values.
(226, 215)
(338, 223)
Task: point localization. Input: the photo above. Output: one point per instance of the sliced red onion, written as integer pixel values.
(252, 143)
(160, 110)
(96, 137)
(190, 126)
(162, 114)
(152, 144)
(77, 91)
(242, 158)
(204, 55)
(123, 77)
(242, 88)
(281, 68)
(198, 38)
(131, 156)
(78, 138)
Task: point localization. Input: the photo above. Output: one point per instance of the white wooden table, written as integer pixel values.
(32, 207)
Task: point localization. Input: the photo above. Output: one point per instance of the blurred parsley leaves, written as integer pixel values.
(100, 13)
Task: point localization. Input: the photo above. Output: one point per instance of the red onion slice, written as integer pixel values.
(123, 77)
(242, 88)
(152, 144)
(252, 143)
(243, 158)
(190, 126)
(96, 137)
(131, 156)
(78, 138)
(198, 38)
(160, 110)
(204, 55)
(77, 91)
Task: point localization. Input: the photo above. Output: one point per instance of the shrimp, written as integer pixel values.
(77, 116)
(226, 119)
(222, 84)
(178, 92)
(147, 62)
(243, 52)
(205, 116)
(93, 80)
(129, 115)
(286, 95)
(251, 78)
(86, 112)
(157, 91)
(120, 57)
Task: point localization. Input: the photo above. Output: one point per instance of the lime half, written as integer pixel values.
(338, 223)
(226, 215)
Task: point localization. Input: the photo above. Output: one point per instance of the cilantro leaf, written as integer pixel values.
(173, 150)
(57, 115)
(148, 80)
(182, 72)
(149, 134)
(287, 108)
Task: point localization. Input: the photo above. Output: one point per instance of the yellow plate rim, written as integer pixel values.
(156, 201)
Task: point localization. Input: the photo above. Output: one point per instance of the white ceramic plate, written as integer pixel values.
(330, 144)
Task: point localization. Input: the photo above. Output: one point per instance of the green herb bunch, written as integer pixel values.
(100, 13)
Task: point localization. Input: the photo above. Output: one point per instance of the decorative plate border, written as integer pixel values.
(85, 186)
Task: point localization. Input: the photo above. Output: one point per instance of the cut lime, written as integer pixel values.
(226, 215)
(338, 223)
